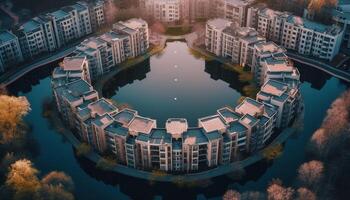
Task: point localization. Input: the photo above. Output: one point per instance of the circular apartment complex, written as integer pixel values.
(138, 142)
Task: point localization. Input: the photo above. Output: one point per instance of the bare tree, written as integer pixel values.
(311, 173)
(305, 194)
(276, 191)
(22, 178)
(231, 195)
(12, 111)
(158, 27)
(49, 192)
(59, 179)
(111, 11)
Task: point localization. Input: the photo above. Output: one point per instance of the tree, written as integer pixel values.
(111, 11)
(22, 178)
(49, 192)
(12, 111)
(158, 27)
(318, 5)
(276, 191)
(338, 115)
(311, 173)
(106, 164)
(83, 149)
(305, 194)
(231, 195)
(58, 179)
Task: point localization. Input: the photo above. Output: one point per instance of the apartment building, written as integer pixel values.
(270, 62)
(71, 94)
(137, 30)
(260, 119)
(171, 11)
(341, 16)
(96, 12)
(234, 10)
(92, 119)
(32, 39)
(253, 14)
(270, 23)
(295, 33)
(10, 50)
(48, 32)
(72, 68)
(128, 39)
(99, 54)
(200, 9)
(284, 98)
(279, 68)
(225, 39)
(213, 35)
(238, 44)
(167, 11)
(311, 38)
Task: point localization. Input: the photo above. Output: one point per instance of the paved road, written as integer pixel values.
(321, 66)
(27, 68)
(11, 76)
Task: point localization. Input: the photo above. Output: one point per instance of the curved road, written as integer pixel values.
(321, 66)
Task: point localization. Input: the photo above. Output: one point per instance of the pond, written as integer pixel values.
(55, 153)
(175, 84)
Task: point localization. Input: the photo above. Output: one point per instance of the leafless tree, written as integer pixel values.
(231, 195)
(276, 191)
(305, 194)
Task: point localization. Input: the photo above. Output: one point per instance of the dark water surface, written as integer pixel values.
(212, 87)
(175, 84)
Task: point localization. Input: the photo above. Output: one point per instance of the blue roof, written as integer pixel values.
(117, 129)
(237, 127)
(196, 133)
(215, 135)
(6, 36)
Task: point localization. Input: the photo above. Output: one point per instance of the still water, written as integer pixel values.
(175, 84)
(202, 87)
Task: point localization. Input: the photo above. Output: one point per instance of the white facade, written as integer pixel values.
(96, 12)
(162, 10)
(238, 44)
(283, 97)
(299, 34)
(70, 23)
(99, 54)
(128, 39)
(234, 10)
(213, 35)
